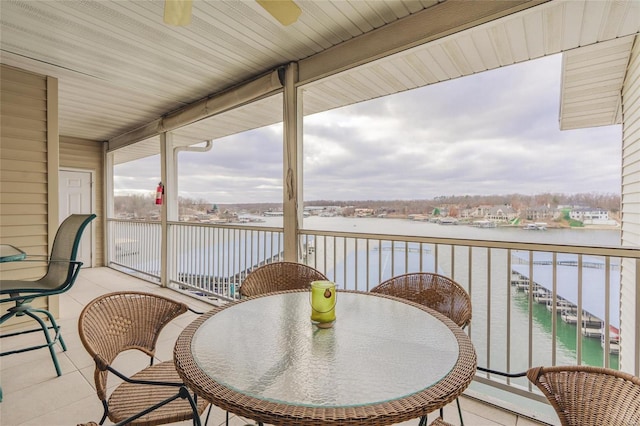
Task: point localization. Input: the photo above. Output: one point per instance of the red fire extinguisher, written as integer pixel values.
(159, 193)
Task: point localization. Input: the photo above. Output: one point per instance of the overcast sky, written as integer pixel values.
(492, 133)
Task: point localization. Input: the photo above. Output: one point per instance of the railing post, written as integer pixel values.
(108, 241)
(630, 316)
(636, 342)
(292, 164)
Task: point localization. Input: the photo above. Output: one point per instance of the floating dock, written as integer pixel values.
(595, 285)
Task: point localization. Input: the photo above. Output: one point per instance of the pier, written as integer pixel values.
(567, 270)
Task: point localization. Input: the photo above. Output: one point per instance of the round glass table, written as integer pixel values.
(9, 253)
(384, 361)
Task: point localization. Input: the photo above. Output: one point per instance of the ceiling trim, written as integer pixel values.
(441, 20)
(211, 105)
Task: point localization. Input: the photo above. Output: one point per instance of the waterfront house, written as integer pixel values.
(481, 211)
(540, 212)
(88, 85)
(592, 216)
(501, 214)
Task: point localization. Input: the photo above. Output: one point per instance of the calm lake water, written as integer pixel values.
(489, 310)
(575, 236)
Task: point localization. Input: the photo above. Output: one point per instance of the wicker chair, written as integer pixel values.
(436, 292)
(279, 276)
(589, 396)
(116, 322)
(62, 271)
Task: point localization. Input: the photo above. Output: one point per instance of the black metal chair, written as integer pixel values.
(62, 271)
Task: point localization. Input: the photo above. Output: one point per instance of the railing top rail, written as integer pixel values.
(204, 225)
(113, 219)
(626, 252)
(623, 252)
(243, 227)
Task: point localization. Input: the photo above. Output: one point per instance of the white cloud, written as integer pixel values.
(492, 133)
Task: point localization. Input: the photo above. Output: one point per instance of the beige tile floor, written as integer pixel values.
(34, 395)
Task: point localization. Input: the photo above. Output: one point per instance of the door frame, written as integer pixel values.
(92, 226)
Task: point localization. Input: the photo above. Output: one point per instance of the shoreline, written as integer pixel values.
(549, 225)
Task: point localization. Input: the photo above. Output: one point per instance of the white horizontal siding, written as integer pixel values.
(24, 173)
(630, 283)
(591, 84)
(23, 161)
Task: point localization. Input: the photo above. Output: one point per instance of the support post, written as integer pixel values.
(165, 147)
(292, 163)
(108, 242)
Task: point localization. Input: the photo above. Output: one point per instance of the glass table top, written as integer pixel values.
(379, 349)
(9, 253)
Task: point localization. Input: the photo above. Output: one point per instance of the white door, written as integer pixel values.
(76, 197)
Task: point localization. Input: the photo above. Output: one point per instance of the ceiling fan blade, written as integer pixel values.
(177, 12)
(285, 11)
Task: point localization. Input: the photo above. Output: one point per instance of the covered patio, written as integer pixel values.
(88, 85)
(38, 397)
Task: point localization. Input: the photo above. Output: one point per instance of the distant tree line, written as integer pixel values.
(144, 205)
(609, 201)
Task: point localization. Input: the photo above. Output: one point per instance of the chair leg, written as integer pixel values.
(24, 309)
(184, 393)
(206, 421)
(53, 326)
(423, 419)
(105, 412)
(45, 330)
(459, 411)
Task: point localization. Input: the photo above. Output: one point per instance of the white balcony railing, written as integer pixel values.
(205, 259)
(533, 304)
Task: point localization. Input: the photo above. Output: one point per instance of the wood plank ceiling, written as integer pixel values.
(120, 67)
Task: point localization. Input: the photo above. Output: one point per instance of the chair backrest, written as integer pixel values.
(434, 291)
(116, 322)
(60, 271)
(279, 276)
(589, 396)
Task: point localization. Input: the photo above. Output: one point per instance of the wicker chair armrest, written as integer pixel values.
(195, 312)
(501, 373)
(141, 382)
(101, 363)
